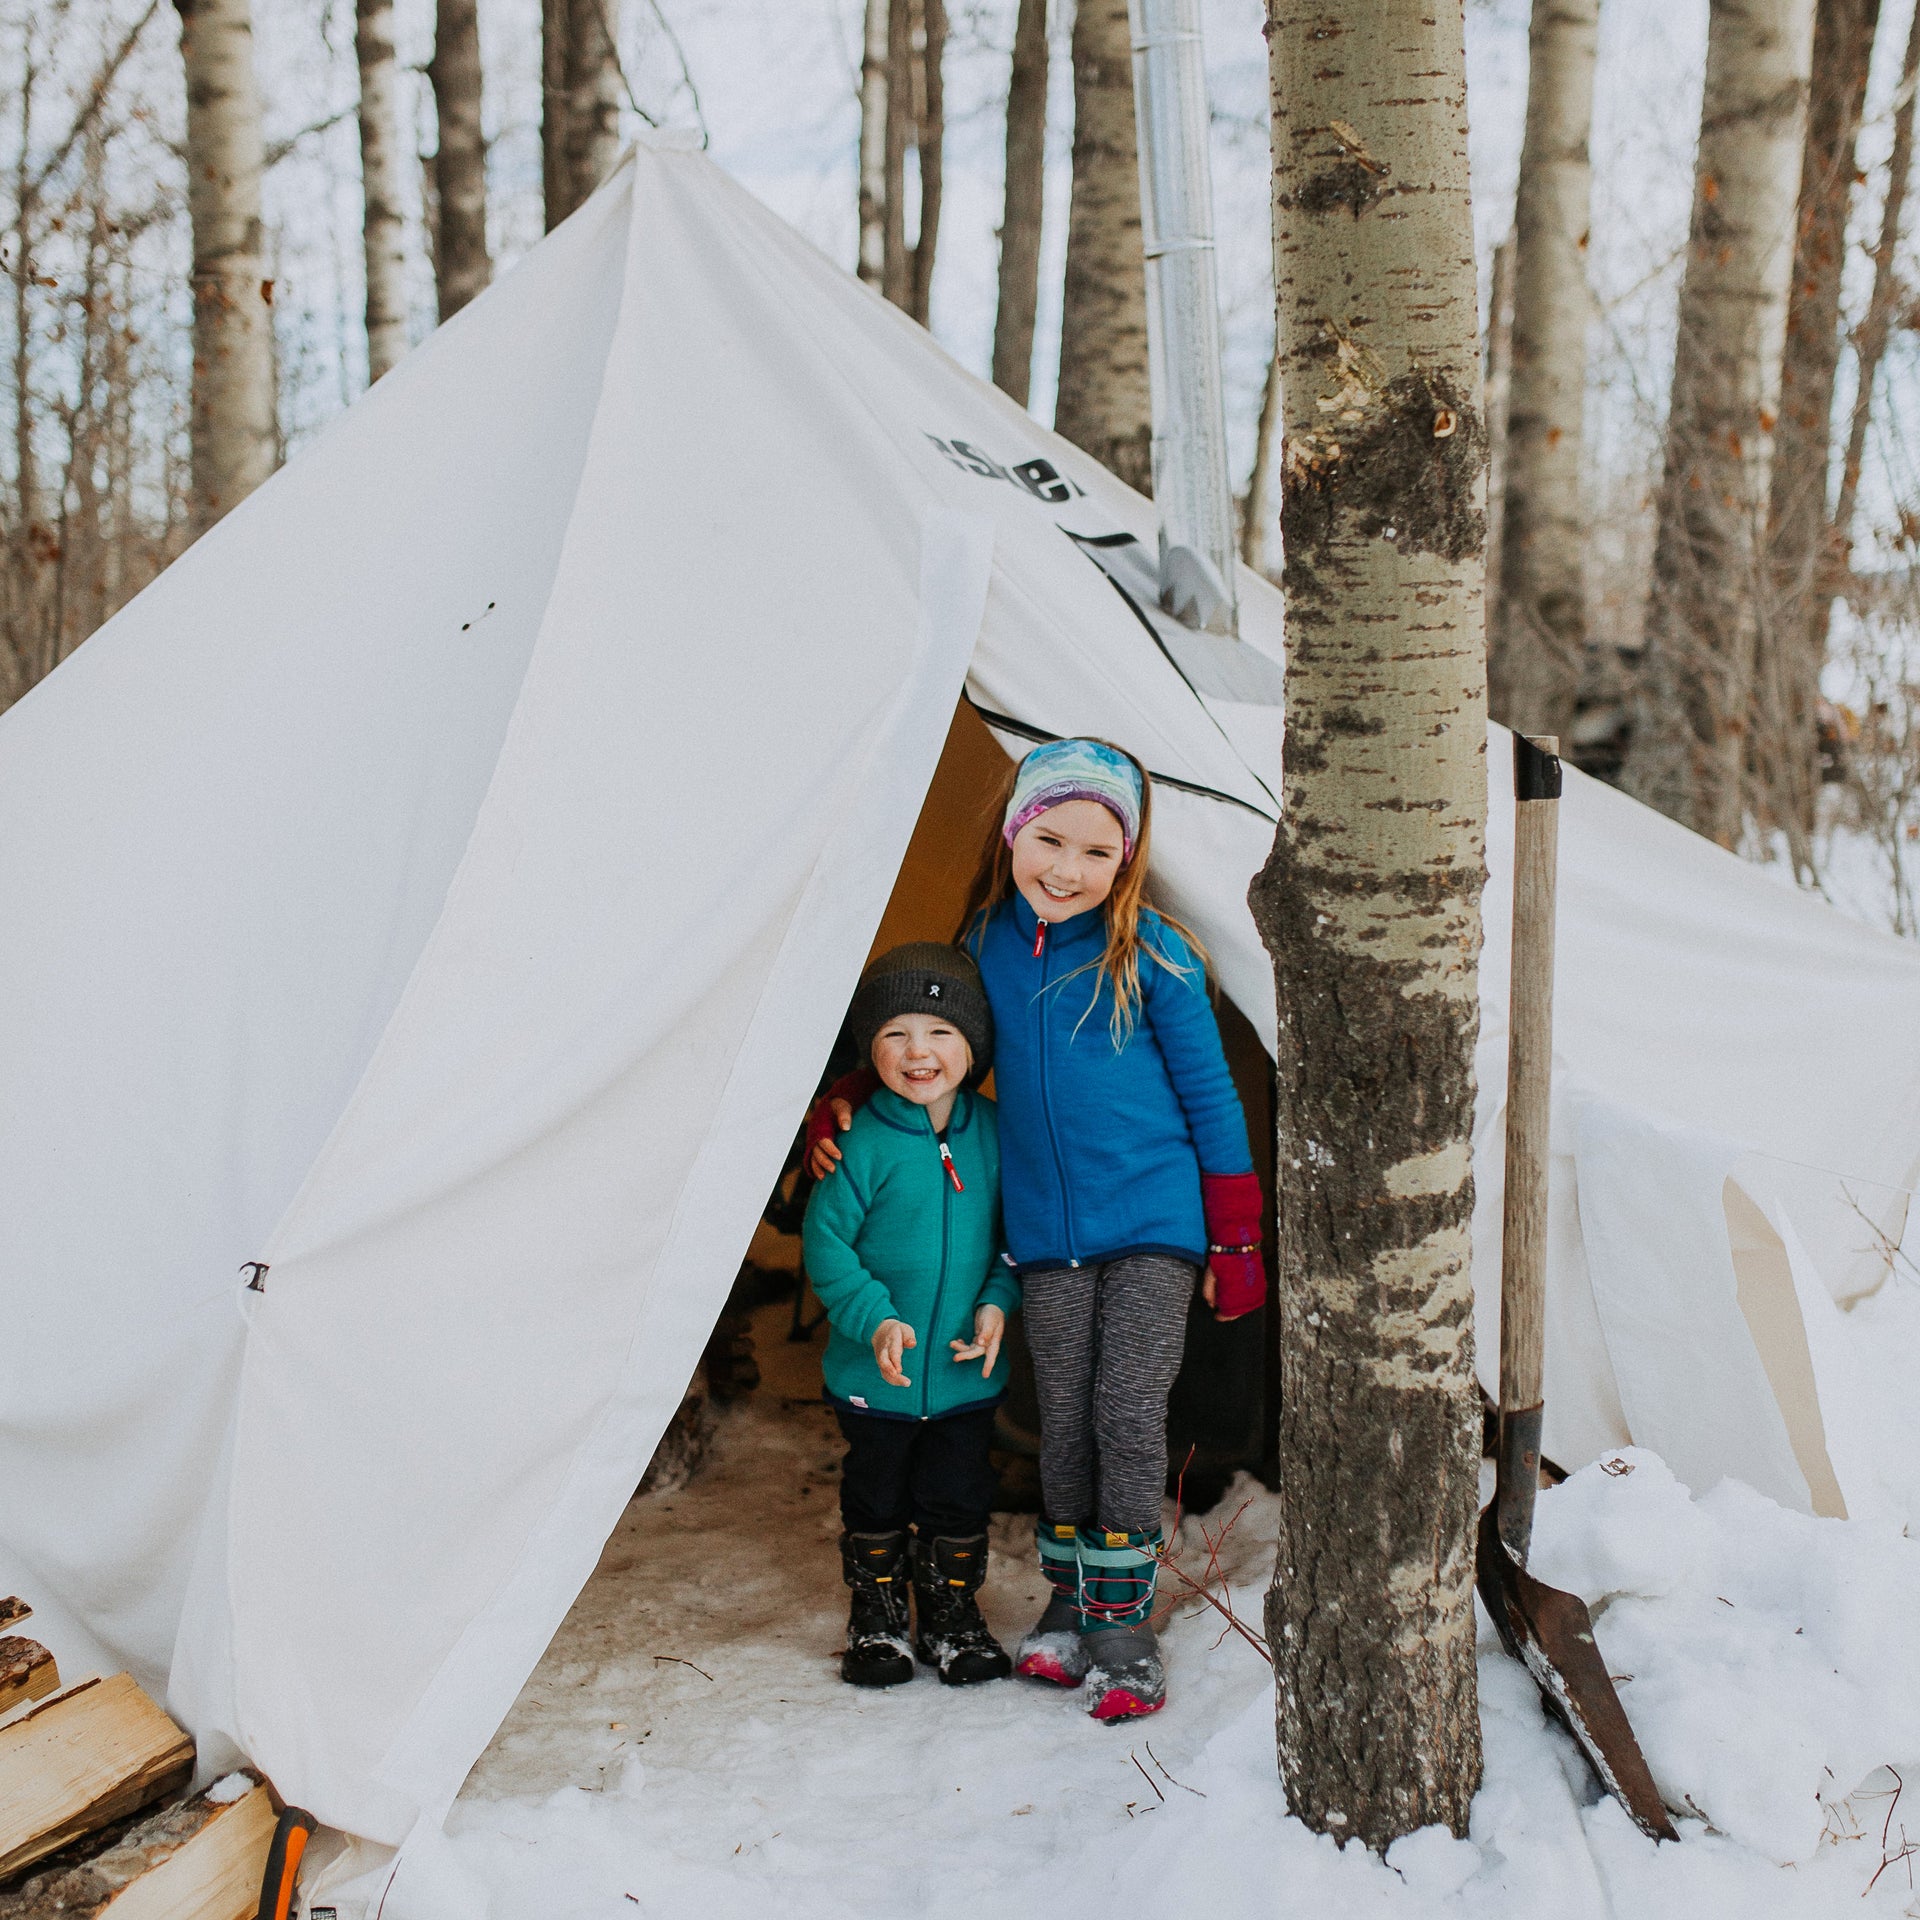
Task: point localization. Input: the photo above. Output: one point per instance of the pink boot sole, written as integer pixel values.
(1043, 1666)
(1119, 1704)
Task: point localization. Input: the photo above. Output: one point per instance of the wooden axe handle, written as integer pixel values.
(1523, 1258)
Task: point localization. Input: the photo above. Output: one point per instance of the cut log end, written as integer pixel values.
(28, 1671)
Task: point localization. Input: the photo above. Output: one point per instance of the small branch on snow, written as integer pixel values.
(678, 1662)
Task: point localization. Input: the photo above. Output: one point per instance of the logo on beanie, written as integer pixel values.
(933, 989)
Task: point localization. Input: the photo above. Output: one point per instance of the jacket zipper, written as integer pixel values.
(1046, 1096)
(947, 1189)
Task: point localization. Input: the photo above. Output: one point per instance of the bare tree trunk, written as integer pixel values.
(234, 427)
(1694, 702)
(385, 230)
(556, 201)
(1104, 404)
(1793, 633)
(896, 273)
(1021, 208)
(1870, 344)
(875, 72)
(1496, 364)
(1539, 631)
(930, 132)
(1370, 907)
(462, 265)
(593, 95)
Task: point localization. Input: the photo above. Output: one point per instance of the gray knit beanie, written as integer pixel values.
(923, 977)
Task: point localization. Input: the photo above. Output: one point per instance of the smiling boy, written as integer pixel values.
(903, 1250)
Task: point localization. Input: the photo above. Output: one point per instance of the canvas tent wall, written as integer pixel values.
(441, 888)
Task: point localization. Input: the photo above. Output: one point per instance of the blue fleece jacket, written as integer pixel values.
(1102, 1148)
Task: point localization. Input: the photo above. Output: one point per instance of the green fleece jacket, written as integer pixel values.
(888, 1236)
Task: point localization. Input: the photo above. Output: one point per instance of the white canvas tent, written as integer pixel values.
(442, 887)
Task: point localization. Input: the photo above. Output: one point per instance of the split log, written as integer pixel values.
(201, 1859)
(82, 1759)
(27, 1672)
(13, 1610)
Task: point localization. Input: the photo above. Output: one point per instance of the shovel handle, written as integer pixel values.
(1523, 1253)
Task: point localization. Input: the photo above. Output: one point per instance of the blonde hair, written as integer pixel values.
(1120, 960)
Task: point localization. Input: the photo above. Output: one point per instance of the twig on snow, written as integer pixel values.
(678, 1662)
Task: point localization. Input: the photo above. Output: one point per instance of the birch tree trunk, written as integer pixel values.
(1370, 907)
(930, 132)
(1104, 403)
(1022, 205)
(556, 198)
(235, 433)
(896, 275)
(1693, 704)
(1538, 634)
(384, 231)
(462, 265)
(1870, 344)
(874, 74)
(593, 96)
(1793, 634)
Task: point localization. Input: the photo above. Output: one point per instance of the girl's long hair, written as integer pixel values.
(1120, 961)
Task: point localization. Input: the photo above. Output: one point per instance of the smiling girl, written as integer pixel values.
(1126, 1182)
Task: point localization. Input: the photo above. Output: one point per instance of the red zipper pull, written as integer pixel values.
(1039, 936)
(953, 1172)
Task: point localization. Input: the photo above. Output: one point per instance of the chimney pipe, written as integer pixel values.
(1191, 485)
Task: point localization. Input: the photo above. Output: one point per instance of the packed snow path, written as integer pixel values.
(687, 1748)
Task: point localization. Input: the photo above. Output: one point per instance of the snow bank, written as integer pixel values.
(1774, 1660)
(687, 1748)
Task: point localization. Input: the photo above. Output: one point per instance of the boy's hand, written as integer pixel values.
(989, 1329)
(891, 1338)
(824, 1154)
(1209, 1290)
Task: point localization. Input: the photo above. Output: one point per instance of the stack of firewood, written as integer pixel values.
(96, 1818)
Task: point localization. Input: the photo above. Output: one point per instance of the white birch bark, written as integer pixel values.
(384, 228)
(1370, 906)
(1538, 634)
(1692, 710)
(235, 433)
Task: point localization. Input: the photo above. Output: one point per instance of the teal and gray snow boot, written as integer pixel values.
(879, 1653)
(950, 1634)
(1125, 1677)
(1053, 1650)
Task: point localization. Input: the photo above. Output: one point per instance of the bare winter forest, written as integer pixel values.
(1700, 301)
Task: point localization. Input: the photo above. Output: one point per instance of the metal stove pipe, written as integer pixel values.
(1191, 485)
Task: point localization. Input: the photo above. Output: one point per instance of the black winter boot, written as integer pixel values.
(879, 1653)
(950, 1636)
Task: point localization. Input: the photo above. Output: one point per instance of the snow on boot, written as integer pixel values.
(879, 1652)
(1125, 1677)
(951, 1637)
(1053, 1649)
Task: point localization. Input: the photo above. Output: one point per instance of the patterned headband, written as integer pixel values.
(1064, 770)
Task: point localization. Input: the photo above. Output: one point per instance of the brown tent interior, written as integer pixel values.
(1223, 1409)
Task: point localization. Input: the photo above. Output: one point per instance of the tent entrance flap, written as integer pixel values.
(1224, 1408)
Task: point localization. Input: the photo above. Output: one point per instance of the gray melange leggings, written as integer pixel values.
(1106, 1345)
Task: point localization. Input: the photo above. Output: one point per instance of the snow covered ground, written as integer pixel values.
(687, 1748)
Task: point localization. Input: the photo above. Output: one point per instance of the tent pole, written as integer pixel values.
(1191, 484)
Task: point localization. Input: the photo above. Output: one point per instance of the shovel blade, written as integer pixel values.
(1551, 1634)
